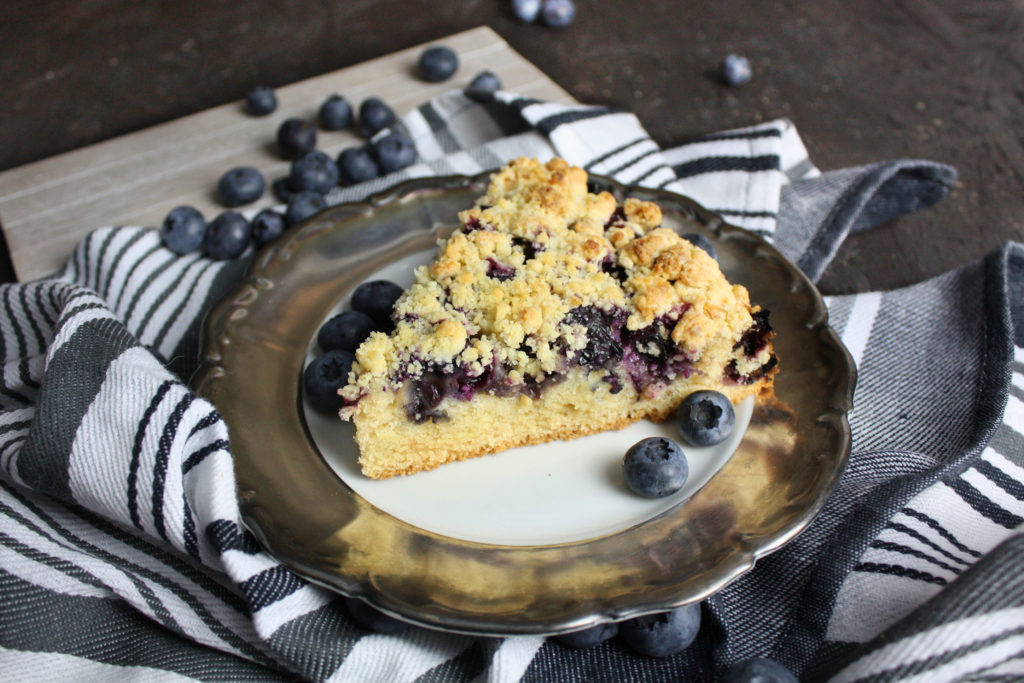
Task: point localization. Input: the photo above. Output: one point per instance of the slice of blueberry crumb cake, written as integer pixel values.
(551, 313)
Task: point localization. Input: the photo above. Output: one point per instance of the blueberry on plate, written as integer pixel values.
(482, 87)
(335, 113)
(345, 331)
(705, 418)
(655, 467)
(261, 101)
(302, 205)
(526, 10)
(267, 226)
(437, 63)
(735, 70)
(557, 13)
(393, 151)
(227, 236)
(375, 116)
(376, 299)
(295, 137)
(662, 634)
(313, 171)
(183, 230)
(372, 619)
(589, 637)
(241, 185)
(758, 670)
(356, 165)
(699, 240)
(324, 376)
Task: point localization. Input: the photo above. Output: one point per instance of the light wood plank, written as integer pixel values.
(47, 206)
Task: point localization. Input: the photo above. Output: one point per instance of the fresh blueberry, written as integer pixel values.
(183, 230)
(655, 467)
(735, 70)
(376, 299)
(227, 236)
(372, 619)
(705, 418)
(663, 634)
(261, 101)
(356, 165)
(758, 670)
(699, 240)
(438, 63)
(393, 151)
(302, 205)
(324, 376)
(345, 331)
(267, 226)
(313, 171)
(335, 113)
(482, 87)
(526, 10)
(296, 137)
(283, 190)
(240, 186)
(558, 13)
(589, 637)
(375, 116)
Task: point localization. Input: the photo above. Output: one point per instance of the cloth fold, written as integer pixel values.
(117, 505)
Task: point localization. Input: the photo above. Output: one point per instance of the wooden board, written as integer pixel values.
(47, 206)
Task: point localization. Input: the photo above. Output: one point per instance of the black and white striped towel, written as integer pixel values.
(122, 553)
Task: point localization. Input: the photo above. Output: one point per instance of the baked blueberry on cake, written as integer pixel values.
(550, 313)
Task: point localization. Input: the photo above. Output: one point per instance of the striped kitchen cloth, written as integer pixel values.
(122, 549)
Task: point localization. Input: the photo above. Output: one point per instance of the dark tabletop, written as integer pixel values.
(863, 81)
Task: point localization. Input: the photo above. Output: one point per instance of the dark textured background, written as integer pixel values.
(863, 81)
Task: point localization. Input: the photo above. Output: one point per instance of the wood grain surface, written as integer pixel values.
(864, 81)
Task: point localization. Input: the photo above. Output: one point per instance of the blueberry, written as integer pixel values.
(376, 299)
(482, 87)
(558, 13)
(372, 619)
(663, 634)
(313, 171)
(375, 116)
(356, 165)
(437, 63)
(324, 376)
(183, 230)
(735, 70)
(393, 151)
(589, 637)
(267, 226)
(261, 101)
(345, 331)
(655, 467)
(698, 240)
(758, 670)
(295, 137)
(283, 190)
(302, 205)
(705, 418)
(227, 236)
(526, 10)
(241, 185)
(335, 113)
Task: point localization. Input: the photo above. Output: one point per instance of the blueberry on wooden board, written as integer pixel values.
(241, 185)
(662, 634)
(227, 236)
(183, 230)
(335, 113)
(302, 205)
(356, 165)
(295, 137)
(482, 87)
(261, 101)
(437, 63)
(705, 418)
(324, 376)
(313, 171)
(267, 226)
(376, 299)
(375, 116)
(393, 151)
(345, 331)
(655, 467)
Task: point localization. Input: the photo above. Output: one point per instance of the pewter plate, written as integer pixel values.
(298, 505)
